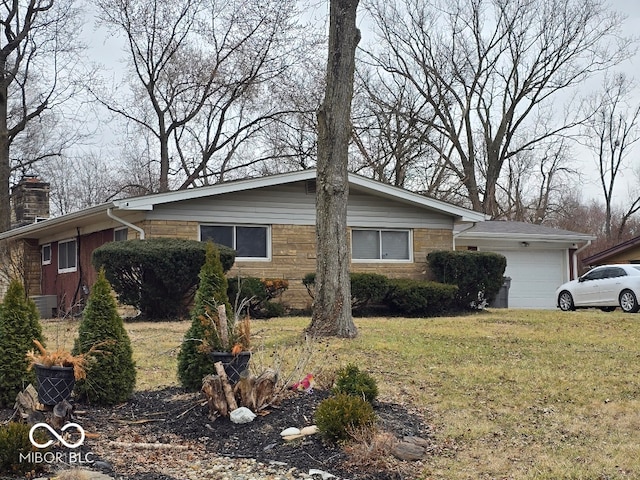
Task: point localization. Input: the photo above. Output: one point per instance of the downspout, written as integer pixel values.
(125, 223)
(575, 258)
(456, 235)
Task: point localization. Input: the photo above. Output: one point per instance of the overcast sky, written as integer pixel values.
(108, 51)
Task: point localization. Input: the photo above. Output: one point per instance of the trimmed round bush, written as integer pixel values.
(338, 416)
(351, 381)
(421, 298)
(366, 288)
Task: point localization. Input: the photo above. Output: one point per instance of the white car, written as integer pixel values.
(605, 287)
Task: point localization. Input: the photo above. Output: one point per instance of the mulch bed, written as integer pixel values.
(173, 416)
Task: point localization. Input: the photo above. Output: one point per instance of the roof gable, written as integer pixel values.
(148, 202)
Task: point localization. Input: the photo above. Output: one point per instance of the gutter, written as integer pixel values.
(125, 223)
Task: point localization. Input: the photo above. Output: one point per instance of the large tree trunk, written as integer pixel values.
(5, 162)
(332, 306)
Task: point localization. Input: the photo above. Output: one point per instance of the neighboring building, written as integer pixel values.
(625, 252)
(270, 221)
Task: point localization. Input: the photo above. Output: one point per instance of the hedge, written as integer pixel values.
(421, 298)
(478, 275)
(158, 276)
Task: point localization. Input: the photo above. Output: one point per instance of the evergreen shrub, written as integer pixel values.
(14, 442)
(258, 294)
(111, 374)
(341, 414)
(421, 298)
(478, 275)
(202, 336)
(19, 327)
(351, 381)
(366, 288)
(158, 276)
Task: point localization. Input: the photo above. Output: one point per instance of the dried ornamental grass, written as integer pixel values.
(64, 358)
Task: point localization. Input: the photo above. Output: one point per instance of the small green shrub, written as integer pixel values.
(352, 381)
(366, 288)
(421, 298)
(111, 375)
(158, 276)
(14, 442)
(338, 416)
(19, 327)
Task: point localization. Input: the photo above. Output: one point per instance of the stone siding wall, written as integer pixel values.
(293, 255)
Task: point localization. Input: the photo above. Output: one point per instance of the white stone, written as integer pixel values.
(310, 430)
(288, 432)
(242, 415)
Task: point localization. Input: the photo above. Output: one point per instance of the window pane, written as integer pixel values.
(46, 254)
(365, 244)
(120, 235)
(395, 245)
(251, 242)
(222, 235)
(62, 255)
(67, 255)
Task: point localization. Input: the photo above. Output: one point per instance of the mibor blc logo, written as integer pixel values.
(68, 457)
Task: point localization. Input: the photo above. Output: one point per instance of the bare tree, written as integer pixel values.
(391, 128)
(39, 54)
(202, 74)
(610, 135)
(535, 182)
(491, 71)
(332, 303)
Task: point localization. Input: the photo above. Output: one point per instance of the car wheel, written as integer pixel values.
(629, 302)
(607, 309)
(565, 301)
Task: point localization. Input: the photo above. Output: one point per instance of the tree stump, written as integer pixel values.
(254, 393)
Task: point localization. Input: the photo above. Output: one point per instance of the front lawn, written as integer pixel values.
(511, 393)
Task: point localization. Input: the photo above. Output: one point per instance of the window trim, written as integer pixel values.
(409, 233)
(42, 257)
(75, 267)
(235, 226)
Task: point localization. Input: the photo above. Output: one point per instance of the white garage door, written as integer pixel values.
(535, 275)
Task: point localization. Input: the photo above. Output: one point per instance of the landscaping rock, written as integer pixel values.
(409, 451)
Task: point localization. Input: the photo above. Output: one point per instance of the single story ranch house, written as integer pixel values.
(270, 221)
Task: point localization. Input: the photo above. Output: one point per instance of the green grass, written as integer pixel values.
(511, 394)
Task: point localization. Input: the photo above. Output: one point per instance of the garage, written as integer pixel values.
(535, 275)
(538, 257)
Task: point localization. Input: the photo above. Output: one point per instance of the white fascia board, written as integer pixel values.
(526, 237)
(149, 201)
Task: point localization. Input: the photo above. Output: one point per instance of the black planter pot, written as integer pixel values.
(55, 384)
(233, 365)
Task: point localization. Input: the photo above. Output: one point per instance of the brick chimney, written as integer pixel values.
(30, 199)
